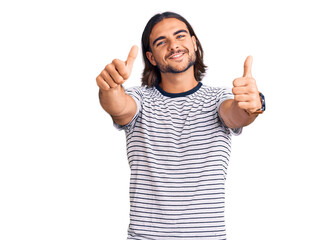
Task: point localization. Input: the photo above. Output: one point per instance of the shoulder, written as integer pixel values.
(215, 91)
(137, 89)
(141, 91)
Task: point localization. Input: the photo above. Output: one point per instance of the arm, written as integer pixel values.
(113, 98)
(233, 116)
(118, 104)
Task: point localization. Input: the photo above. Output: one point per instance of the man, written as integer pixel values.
(178, 132)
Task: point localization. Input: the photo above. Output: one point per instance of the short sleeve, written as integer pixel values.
(137, 95)
(225, 94)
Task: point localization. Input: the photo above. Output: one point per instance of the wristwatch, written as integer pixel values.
(262, 109)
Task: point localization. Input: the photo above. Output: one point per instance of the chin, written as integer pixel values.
(180, 67)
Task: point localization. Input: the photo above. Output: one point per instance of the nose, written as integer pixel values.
(173, 45)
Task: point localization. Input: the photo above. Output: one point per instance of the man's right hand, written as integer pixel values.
(117, 72)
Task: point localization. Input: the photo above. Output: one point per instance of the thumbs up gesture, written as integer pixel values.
(245, 89)
(117, 72)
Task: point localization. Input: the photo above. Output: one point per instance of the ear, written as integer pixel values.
(150, 57)
(195, 43)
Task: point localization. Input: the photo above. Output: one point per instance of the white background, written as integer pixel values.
(63, 170)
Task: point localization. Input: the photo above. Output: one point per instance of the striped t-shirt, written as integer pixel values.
(178, 150)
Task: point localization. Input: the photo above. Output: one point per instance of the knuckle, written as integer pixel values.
(126, 75)
(99, 85)
(102, 84)
(112, 84)
(119, 81)
(236, 82)
(252, 84)
(118, 64)
(251, 80)
(115, 61)
(258, 105)
(251, 98)
(103, 74)
(235, 90)
(251, 89)
(100, 80)
(105, 87)
(253, 104)
(110, 67)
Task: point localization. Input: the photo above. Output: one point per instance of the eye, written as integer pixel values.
(180, 36)
(160, 43)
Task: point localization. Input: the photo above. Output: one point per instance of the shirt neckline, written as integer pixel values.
(182, 94)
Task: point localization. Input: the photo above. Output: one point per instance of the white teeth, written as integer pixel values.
(177, 55)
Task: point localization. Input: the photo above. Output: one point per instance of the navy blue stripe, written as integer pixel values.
(173, 158)
(140, 167)
(195, 120)
(175, 174)
(195, 227)
(207, 140)
(133, 159)
(177, 196)
(168, 236)
(181, 191)
(179, 178)
(191, 148)
(192, 186)
(217, 161)
(176, 201)
(179, 232)
(169, 187)
(221, 223)
(168, 125)
(176, 205)
(148, 209)
(148, 131)
(179, 214)
(178, 219)
(218, 180)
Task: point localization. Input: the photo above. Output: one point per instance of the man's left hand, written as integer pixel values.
(245, 90)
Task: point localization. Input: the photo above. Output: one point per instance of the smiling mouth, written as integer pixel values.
(176, 55)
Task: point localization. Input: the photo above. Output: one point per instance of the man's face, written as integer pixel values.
(173, 48)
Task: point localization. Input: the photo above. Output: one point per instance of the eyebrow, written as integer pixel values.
(163, 37)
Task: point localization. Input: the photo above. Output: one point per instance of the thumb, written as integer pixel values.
(248, 67)
(132, 56)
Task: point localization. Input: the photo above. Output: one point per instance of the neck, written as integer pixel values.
(178, 82)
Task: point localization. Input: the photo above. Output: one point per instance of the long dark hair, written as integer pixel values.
(151, 74)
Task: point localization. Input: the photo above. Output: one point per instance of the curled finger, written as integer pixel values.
(102, 83)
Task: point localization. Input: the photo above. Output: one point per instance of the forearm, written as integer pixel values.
(233, 116)
(114, 100)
